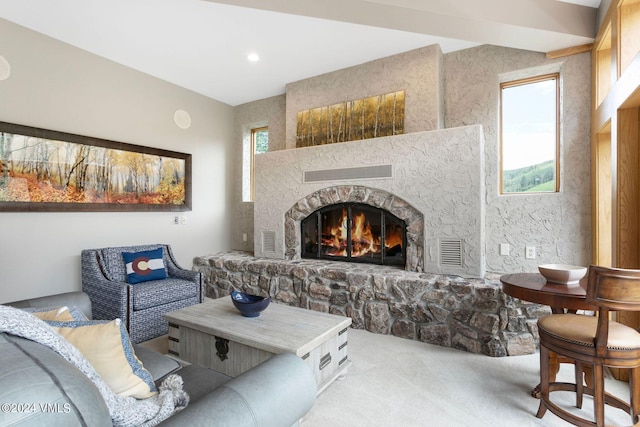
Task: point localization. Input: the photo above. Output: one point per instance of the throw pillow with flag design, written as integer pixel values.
(144, 266)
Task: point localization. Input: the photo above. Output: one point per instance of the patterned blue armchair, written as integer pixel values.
(108, 281)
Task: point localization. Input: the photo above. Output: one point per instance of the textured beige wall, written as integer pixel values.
(557, 224)
(418, 72)
(266, 112)
(446, 189)
(55, 86)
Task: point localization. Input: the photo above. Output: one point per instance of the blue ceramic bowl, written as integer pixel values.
(249, 305)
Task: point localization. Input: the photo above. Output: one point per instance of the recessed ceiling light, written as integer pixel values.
(253, 57)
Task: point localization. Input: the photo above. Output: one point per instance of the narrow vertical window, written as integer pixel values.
(530, 136)
(259, 144)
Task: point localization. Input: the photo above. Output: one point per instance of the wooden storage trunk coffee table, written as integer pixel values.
(214, 334)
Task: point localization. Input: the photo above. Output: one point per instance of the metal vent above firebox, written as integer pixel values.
(451, 252)
(364, 172)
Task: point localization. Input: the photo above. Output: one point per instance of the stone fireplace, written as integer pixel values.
(414, 177)
(438, 293)
(443, 294)
(414, 180)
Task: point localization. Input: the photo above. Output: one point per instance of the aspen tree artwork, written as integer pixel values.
(373, 117)
(43, 170)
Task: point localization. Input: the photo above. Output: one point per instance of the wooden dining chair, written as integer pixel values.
(596, 342)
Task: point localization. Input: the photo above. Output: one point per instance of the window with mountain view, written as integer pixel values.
(529, 161)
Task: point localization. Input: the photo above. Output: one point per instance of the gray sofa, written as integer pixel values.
(276, 393)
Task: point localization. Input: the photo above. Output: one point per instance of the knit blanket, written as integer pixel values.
(125, 411)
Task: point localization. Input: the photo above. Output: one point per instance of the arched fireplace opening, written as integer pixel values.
(354, 232)
(364, 196)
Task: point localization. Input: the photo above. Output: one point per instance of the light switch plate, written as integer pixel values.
(504, 249)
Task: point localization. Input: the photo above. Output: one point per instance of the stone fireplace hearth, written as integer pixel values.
(468, 314)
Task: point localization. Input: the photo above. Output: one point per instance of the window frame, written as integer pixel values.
(521, 82)
(254, 132)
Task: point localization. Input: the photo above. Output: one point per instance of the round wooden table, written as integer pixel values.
(533, 287)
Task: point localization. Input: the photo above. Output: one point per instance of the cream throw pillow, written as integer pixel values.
(61, 314)
(106, 345)
(58, 314)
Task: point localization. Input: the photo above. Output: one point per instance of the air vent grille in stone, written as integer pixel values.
(364, 172)
(451, 252)
(268, 241)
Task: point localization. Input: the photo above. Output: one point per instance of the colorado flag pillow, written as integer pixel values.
(144, 266)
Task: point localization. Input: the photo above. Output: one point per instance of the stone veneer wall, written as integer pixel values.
(418, 72)
(468, 314)
(353, 193)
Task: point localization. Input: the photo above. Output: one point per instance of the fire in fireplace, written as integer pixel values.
(354, 232)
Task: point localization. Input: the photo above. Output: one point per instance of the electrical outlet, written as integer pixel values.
(530, 252)
(176, 220)
(244, 237)
(183, 220)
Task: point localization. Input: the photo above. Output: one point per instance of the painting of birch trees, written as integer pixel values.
(373, 117)
(48, 170)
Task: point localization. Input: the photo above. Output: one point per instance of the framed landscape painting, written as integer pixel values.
(45, 170)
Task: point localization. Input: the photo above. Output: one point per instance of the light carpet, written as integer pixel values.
(400, 382)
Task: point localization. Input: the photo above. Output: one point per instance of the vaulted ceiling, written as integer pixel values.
(203, 45)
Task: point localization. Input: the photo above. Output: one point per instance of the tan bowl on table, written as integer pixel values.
(562, 273)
